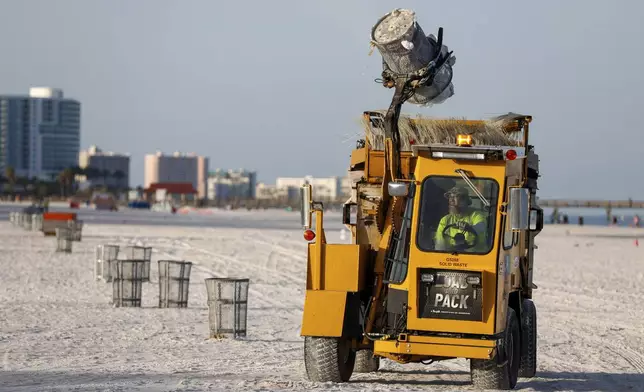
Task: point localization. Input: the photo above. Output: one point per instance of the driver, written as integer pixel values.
(461, 219)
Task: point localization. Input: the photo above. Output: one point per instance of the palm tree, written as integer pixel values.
(65, 179)
(10, 174)
(77, 171)
(118, 176)
(92, 173)
(104, 174)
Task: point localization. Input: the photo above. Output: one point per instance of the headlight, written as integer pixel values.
(427, 278)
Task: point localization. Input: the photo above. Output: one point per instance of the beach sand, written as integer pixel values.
(58, 330)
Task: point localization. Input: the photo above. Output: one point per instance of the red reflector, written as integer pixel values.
(309, 235)
(511, 155)
(412, 142)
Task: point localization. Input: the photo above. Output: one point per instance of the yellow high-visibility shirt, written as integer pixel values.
(474, 218)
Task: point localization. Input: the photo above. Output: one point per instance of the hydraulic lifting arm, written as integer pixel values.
(404, 85)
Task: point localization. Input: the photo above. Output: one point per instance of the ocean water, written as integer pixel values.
(595, 217)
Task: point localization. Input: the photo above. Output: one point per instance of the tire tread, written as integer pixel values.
(322, 362)
(528, 365)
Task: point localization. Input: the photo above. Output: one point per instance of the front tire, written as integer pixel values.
(328, 359)
(528, 366)
(487, 374)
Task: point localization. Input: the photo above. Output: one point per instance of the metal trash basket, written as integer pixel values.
(174, 279)
(127, 284)
(227, 306)
(36, 222)
(105, 266)
(27, 222)
(76, 227)
(63, 240)
(23, 220)
(140, 253)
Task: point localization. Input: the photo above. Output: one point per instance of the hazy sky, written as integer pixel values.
(278, 86)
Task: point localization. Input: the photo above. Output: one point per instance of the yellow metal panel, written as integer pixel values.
(342, 266)
(486, 264)
(432, 349)
(450, 341)
(358, 156)
(323, 313)
(375, 167)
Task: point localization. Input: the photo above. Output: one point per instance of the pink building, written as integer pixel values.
(177, 168)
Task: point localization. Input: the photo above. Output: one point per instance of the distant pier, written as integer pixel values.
(605, 204)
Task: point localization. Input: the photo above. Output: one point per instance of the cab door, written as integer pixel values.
(509, 256)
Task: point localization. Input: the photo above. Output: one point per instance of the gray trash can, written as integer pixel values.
(76, 228)
(27, 222)
(105, 265)
(174, 279)
(127, 284)
(227, 306)
(36, 222)
(63, 240)
(143, 253)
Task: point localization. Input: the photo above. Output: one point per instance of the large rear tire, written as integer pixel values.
(328, 359)
(366, 362)
(528, 366)
(487, 374)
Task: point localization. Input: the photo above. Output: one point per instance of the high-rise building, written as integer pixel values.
(39, 133)
(232, 184)
(105, 168)
(177, 168)
(323, 189)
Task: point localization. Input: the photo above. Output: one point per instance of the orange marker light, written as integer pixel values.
(464, 140)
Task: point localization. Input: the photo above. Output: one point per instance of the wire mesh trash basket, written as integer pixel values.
(63, 240)
(174, 279)
(127, 284)
(105, 266)
(142, 253)
(23, 220)
(227, 306)
(17, 219)
(27, 222)
(36, 222)
(77, 229)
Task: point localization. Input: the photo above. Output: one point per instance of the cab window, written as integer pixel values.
(453, 218)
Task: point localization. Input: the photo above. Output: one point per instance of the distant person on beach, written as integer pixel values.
(636, 221)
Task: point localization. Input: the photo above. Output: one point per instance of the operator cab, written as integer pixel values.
(456, 217)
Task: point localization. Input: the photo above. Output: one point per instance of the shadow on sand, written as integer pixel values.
(543, 381)
(204, 380)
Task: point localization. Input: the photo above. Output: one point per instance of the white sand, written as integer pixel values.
(58, 330)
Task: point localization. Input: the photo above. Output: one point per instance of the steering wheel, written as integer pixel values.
(459, 238)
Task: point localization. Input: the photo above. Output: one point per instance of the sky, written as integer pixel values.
(279, 86)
